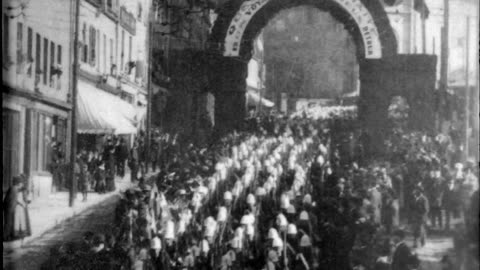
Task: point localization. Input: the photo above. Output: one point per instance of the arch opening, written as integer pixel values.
(240, 22)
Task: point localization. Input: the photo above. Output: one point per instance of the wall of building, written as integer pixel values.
(180, 66)
(407, 25)
(36, 75)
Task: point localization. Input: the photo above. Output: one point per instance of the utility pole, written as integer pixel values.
(444, 60)
(467, 88)
(73, 151)
(424, 34)
(149, 90)
(477, 79)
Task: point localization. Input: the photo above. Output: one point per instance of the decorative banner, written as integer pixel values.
(239, 24)
(356, 9)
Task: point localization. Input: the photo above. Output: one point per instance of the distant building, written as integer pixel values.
(308, 54)
(112, 83)
(407, 26)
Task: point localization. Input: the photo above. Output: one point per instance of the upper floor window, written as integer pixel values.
(139, 11)
(6, 36)
(92, 42)
(59, 66)
(53, 68)
(29, 51)
(20, 56)
(45, 61)
(38, 55)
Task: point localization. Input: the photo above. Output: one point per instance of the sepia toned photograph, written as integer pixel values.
(240, 134)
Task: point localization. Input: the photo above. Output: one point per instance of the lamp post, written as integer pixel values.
(467, 88)
(73, 150)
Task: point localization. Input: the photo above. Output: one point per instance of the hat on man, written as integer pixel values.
(277, 242)
(303, 215)
(227, 196)
(155, 243)
(272, 233)
(307, 199)
(222, 214)
(291, 229)
(305, 241)
(250, 199)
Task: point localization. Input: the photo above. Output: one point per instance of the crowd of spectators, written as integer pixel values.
(284, 195)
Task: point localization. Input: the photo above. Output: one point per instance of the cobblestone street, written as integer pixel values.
(30, 256)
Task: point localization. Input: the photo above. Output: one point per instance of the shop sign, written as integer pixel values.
(127, 21)
(356, 9)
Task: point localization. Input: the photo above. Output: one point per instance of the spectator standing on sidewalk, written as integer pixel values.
(16, 220)
(56, 166)
(109, 155)
(155, 150)
(450, 201)
(83, 178)
(436, 194)
(420, 216)
(99, 176)
(133, 161)
(121, 155)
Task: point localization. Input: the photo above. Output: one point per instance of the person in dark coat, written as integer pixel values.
(16, 220)
(121, 155)
(109, 159)
(420, 216)
(99, 176)
(83, 178)
(450, 201)
(403, 258)
(133, 162)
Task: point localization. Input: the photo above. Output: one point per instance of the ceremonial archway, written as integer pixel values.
(240, 21)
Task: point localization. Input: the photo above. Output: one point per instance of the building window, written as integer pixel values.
(122, 46)
(92, 41)
(112, 59)
(140, 10)
(29, 51)
(53, 71)
(20, 56)
(38, 59)
(10, 145)
(45, 60)
(44, 130)
(59, 63)
(98, 42)
(6, 37)
(104, 54)
(129, 48)
(84, 52)
(109, 4)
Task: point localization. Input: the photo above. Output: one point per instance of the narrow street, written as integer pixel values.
(97, 218)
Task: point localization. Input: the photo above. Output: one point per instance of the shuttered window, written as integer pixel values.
(10, 145)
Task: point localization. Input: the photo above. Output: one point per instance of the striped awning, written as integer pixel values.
(100, 112)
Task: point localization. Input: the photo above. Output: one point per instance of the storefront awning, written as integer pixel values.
(254, 99)
(100, 112)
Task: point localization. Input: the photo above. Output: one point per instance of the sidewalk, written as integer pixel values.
(49, 212)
